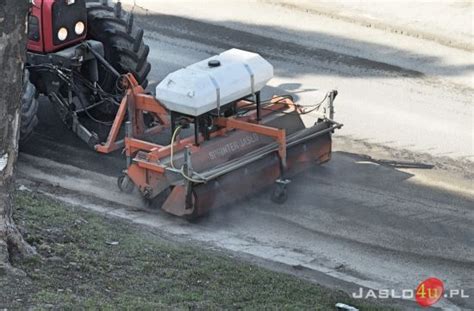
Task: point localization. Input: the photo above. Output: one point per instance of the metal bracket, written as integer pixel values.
(255, 95)
(103, 61)
(83, 133)
(188, 171)
(331, 98)
(218, 94)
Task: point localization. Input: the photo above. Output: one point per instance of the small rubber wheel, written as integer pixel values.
(194, 217)
(125, 184)
(279, 194)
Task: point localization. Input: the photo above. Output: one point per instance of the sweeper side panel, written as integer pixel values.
(260, 172)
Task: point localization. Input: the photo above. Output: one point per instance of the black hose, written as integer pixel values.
(69, 81)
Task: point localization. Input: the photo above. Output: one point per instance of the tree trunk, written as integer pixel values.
(12, 53)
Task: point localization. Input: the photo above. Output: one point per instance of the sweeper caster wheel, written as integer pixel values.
(125, 184)
(280, 192)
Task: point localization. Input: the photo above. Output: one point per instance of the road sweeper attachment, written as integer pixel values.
(236, 143)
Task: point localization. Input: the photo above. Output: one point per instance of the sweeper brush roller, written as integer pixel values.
(224, 144)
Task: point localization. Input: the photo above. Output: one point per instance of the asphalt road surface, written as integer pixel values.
(360, 221)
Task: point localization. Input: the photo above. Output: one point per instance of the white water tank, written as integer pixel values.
(214, 82)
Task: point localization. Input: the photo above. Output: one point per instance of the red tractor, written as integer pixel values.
(77, 50)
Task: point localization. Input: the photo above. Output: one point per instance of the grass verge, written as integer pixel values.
(88, 261)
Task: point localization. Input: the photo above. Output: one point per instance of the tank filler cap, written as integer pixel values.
(214, 63)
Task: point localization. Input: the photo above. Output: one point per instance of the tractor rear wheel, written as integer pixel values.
(124, 47)
(29, 108)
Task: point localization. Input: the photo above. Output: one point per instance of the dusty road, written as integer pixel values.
(395, 90)
(353, 220)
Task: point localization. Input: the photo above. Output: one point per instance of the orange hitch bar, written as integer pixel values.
(135, 102)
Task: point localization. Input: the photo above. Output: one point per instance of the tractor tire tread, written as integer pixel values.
(123, 41)
(29, 109)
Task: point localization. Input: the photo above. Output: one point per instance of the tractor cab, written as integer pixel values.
(57, 31)
(56, 24)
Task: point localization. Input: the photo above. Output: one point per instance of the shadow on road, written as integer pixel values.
(221, 37)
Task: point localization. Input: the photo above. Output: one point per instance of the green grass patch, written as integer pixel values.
(80, 268)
